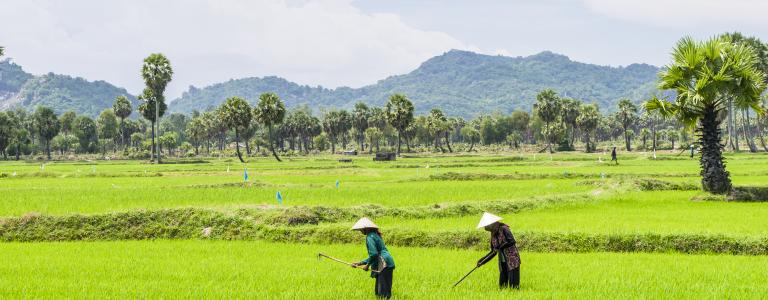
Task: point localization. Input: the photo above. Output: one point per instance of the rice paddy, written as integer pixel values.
(540, 194)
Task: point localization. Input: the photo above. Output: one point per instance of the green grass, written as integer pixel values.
(63, 188)
(259, 270)
(99, 195)
(262, 270)
(660, 212)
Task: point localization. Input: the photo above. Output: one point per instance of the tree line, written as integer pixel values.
(711, 85)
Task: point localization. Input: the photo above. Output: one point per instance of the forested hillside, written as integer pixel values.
(60, 92)
(459, 82)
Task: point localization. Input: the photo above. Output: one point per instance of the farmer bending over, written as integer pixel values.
(379, 260)
(503, 243)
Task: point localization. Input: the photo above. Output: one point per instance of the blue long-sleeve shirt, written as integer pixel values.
(376, 247)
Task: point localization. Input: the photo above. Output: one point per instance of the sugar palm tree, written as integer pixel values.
(587, 121)
(627, 115)
(270, 111)
(547, 107)
(236, 114)
(157, 73)
(122, 108)
(399, 112)
(705, 75)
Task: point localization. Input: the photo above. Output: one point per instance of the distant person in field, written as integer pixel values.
(613, 156)
(379, 261)
(502, 243)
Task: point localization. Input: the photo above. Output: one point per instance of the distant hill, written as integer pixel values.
(60, 92)
(460, 82)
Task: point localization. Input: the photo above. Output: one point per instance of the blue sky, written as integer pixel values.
(345, 42)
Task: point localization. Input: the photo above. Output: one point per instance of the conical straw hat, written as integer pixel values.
(488, 219)
(364, 223)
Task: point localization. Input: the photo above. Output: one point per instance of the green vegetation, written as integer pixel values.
(133, 228)
(556, 206)
(226, 269)
(60, 92)
(462, 83)
(707, 76)
(13, 78)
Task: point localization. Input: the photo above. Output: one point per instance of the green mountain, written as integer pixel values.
(60, 92)
(12, 77)
(461, 83)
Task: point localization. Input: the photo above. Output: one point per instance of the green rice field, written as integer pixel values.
(204, 269)
(130, 229)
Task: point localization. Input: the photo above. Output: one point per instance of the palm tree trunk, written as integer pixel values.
(448, 142)
(398, 142)
(471, 145)
(747, 135)
(573, 135)
(122, 138)
(154, 150)
(237, 146)
(714, 178)
(760, 132)
(548, 137)
(271, 145)
(653, 133)
(626, 140)
(48, 148)
(733, 141)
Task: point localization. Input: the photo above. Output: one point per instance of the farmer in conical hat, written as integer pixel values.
(503, 243)
(379, 260)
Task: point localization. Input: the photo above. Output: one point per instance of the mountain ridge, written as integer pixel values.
(60, 92)
(460, 82)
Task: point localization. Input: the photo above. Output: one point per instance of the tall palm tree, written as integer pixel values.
(547, 107)
(705, 75)
(399, 112)
(236, 114)
(270, 111)
(156, 72)
(122, 108)
(627, 115)
(587, 121)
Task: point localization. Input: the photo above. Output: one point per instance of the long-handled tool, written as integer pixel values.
(320, 255)
(465, 276)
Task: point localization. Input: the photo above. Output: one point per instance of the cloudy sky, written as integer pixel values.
(345, 42)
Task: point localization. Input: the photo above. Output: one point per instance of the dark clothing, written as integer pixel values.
(613, 156)
(384, 283)
(504, 244)
(509, 278)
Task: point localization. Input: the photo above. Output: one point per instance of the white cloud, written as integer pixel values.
(326, 42)
(684, 13)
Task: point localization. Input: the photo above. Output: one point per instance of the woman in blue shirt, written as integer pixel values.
(378, 258)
